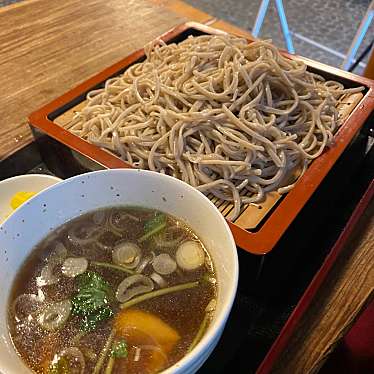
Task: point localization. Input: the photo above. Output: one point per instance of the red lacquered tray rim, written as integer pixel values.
(262, 241)
(289, 328)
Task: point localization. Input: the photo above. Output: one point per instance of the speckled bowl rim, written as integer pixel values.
(194, 359)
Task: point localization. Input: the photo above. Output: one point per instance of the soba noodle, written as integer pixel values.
(233, 119)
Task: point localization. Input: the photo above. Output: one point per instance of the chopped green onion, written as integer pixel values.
(200, 333)
(111, 266)
(103, 353)
(159, 292)
(109, 365)
(153, 226)
(152, 232)
(209, 310)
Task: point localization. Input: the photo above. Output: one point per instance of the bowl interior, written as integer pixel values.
(71, 198)
(29, 182)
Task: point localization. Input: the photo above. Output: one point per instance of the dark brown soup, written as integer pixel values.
(119, 290)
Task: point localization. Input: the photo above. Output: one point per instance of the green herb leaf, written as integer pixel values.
(92, 300)
(90, 279)
(155, 221)
(88, 301)
(153, 226)
(119, 349)
(60, 367)
(90, 321)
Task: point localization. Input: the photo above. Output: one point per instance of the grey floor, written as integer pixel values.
(330, 25)
(7, 2)
(322, 29)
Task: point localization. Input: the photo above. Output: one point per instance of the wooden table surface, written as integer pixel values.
(346, 291)
(48, 46)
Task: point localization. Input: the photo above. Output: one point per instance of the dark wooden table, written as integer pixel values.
(48, 46)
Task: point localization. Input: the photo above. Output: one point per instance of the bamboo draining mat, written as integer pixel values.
(48, 46)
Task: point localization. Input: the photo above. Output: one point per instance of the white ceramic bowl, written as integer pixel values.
(78, 195)
(28, 182)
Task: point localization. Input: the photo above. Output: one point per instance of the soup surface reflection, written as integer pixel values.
(119, 290)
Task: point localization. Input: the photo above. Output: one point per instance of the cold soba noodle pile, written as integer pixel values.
(230, 118)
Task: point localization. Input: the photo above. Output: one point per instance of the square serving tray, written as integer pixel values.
(260, 226)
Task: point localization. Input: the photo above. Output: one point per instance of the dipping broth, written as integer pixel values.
(118, 290)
